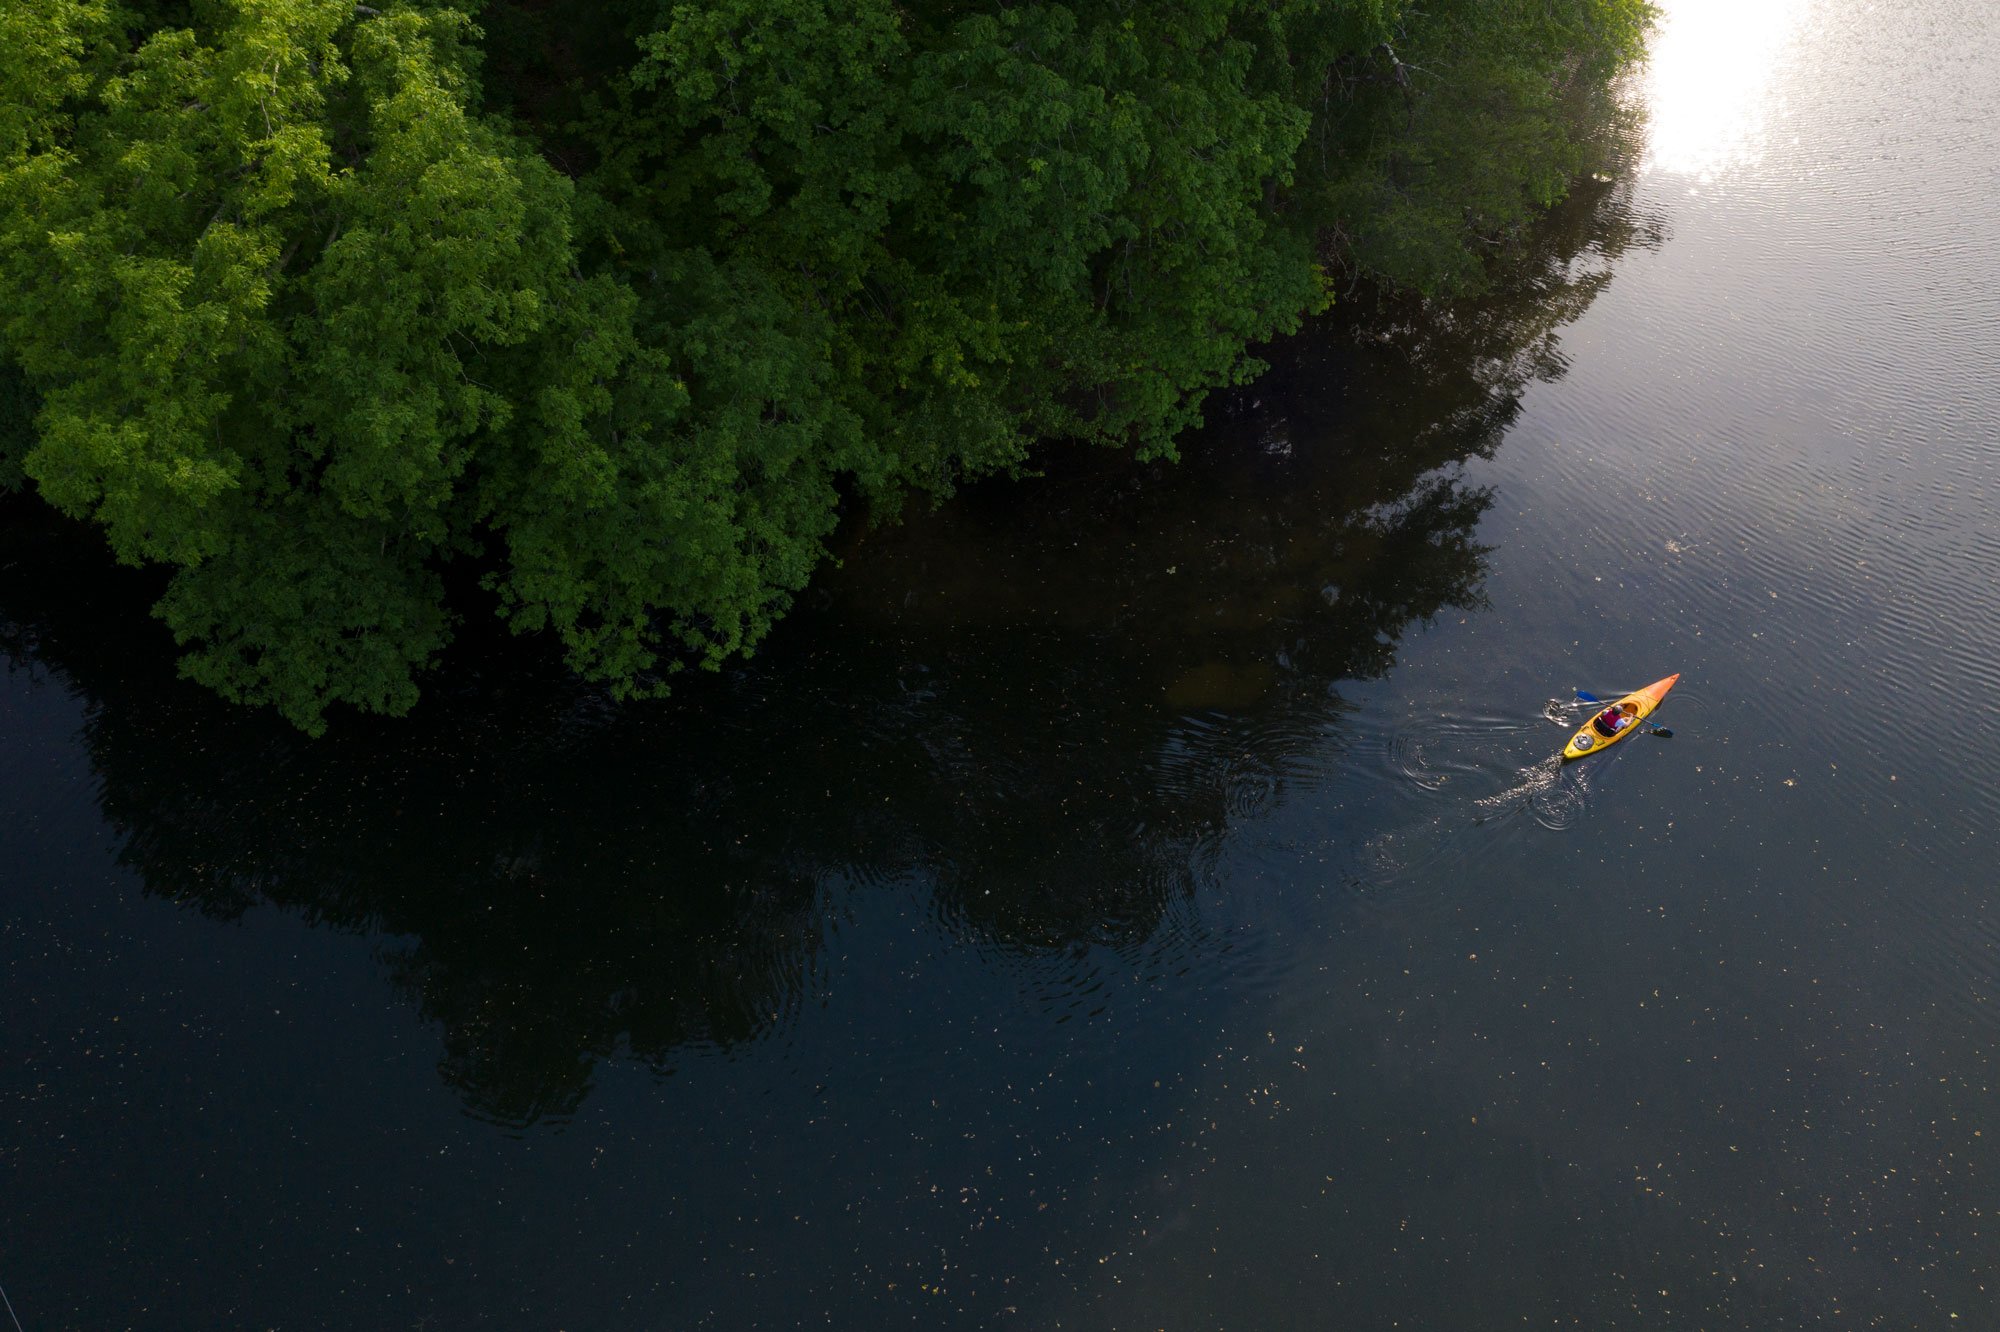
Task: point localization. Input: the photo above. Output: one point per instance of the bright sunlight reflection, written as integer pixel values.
(1710, 83)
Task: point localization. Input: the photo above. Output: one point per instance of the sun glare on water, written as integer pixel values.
(1712, 82)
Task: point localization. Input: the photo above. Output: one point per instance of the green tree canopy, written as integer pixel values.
(292, 313)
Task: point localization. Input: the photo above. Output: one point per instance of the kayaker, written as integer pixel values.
(1612, 721)
(1615, 719)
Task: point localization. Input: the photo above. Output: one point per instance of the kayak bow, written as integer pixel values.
(1588, 740)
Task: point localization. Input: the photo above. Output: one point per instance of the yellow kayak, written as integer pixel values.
(1638, 705)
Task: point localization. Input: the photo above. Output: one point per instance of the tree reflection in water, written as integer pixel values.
(1045, 706)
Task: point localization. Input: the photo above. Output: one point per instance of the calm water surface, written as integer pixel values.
(1147, 903)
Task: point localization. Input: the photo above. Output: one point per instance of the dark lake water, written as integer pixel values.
(1145, 900)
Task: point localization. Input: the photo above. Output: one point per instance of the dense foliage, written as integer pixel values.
(325, 306)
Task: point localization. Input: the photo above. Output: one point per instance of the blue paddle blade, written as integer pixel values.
(1588, 697)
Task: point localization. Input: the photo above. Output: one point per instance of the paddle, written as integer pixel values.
(1651, 728)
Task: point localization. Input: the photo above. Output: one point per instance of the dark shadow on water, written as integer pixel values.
(1041, 710)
